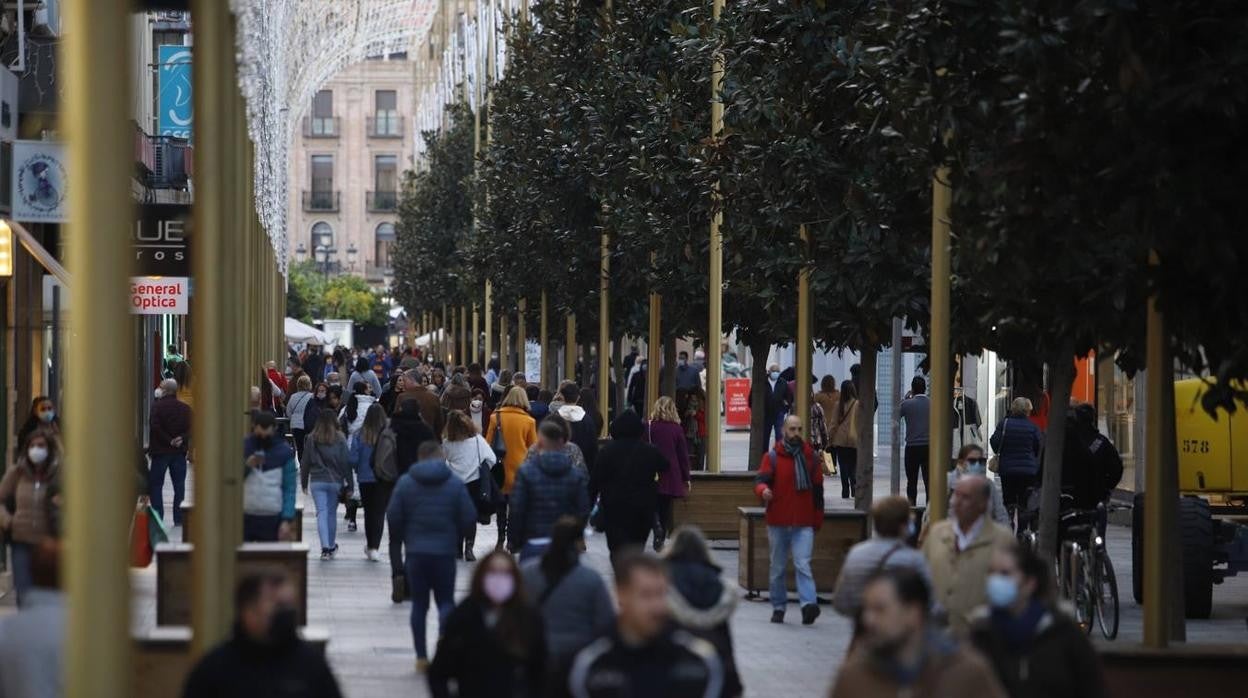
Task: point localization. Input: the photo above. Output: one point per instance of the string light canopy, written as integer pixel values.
(288, 49)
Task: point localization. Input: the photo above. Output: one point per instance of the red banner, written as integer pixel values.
(737, 403)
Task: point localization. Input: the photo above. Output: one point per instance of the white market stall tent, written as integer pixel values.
(300, 333)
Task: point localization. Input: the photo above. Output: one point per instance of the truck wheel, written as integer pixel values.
(1137, 547)
(1196, 556)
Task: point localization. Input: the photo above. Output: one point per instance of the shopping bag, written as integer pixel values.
(141, 548)
(156, 532)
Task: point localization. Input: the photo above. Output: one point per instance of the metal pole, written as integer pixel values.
(543, 331)
(99, 493)
(463, 337)
(476, 333)
(604, 331)
(894, 400)
(504, 348)
(939, 353)
(446, 337)
(804, 343)
(715, 279)
(520, 335)
(489, 321)
(569, 349)
(654, 350)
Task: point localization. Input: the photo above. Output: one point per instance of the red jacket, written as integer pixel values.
(789, 507)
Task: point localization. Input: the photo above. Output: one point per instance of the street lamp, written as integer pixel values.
(323, 254)
(351, 253)
(301, 252)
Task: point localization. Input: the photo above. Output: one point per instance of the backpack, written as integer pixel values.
(384, 459)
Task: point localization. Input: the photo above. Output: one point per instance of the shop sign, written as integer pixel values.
(159, 295)
(175, 92)
(161, 240)
(39, 182)
(737, 403)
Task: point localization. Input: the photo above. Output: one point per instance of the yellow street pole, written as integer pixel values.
(654, 350)
(445, 347)
(488, 311)
(520, 335)
(504, 348)
(941, 392)
(804, 343)
(604, 332)
(715, 279)
(1163, 619)
(569, 349)
(453, 347)
(543, 331)
(476, 334)
(464, 357)
(99, 491)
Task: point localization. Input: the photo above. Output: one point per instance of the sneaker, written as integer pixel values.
(325, 554)
(469, 556)
(810, 612)
(777, 616)
(332, 551)
(371, 555)
(351, 527)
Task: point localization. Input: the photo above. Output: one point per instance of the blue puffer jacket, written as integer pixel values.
(1017, 442)
(547, 487)
(432, 509)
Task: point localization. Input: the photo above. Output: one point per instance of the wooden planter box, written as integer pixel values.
(174, 580)
(1134, 671)
(162, 659)
(188, 510)
(713, 502)
(841, 531)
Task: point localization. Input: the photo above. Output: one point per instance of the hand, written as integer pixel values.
(255, 460)
(176, 442)
(767, 495)
(688, 486)
(286, 532)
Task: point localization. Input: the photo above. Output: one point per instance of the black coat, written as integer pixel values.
(624, 473)
(1059, 660)
(778, 398)
(240, 668)
(410, 431)
(674, 665)
(476, 659)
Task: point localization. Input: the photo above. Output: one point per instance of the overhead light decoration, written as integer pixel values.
(6, 250)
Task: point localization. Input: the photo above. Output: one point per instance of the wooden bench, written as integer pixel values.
(841, 530)
(1134, 671)
(173, 575)
(162, 659)
(713, 502)
(188, 509)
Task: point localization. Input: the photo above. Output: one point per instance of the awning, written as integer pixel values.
(299, 333)
(41, 255)
(425, 339)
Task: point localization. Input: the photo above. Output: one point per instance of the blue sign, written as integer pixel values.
(174, 85)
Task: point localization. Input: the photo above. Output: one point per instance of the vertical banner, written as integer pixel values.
(175, 92)
(39, 182)
(737, 403)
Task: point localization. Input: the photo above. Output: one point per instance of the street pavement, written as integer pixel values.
(371, 646)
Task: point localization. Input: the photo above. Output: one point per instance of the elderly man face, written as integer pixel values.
(970, 500)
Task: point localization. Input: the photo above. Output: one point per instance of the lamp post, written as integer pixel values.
(323, 254)
(351, 254)
(301, 252)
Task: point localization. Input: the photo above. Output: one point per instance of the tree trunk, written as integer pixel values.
(865, 490)
(668, 385)
(617, 366)
(760, 430)
(1061, 377)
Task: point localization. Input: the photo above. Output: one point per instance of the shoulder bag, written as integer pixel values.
(994, 463)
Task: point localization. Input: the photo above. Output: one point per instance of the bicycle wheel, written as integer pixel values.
(1106, 596)
(1083, 592)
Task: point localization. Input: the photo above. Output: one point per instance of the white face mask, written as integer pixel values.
(499, 586)
(37, 454)
(476, 405)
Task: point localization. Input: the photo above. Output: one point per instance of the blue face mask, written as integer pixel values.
(977, 467)
(774, 375)
(48, 416)
(1002, 591)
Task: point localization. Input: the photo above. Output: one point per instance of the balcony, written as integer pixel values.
(382, 201)
(385, 125)
(162, 162)
(321, 127)
(321, 201)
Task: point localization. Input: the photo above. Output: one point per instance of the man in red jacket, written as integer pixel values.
(790, 483)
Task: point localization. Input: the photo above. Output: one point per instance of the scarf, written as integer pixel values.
(1018, 631)
(800, 474)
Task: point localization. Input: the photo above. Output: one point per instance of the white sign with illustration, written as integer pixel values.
(39, 182)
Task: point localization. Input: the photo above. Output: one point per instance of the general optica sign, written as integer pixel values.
(159, 295)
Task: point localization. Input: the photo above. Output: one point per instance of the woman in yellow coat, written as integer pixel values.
(519, 432)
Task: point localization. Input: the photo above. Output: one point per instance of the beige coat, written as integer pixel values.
(958, 577)
(31, 522)
(844, 432)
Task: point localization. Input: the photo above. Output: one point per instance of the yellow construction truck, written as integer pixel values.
(1213, 508)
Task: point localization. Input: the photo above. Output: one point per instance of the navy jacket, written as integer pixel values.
(1017, 442)
(431, 508)
(547, 487)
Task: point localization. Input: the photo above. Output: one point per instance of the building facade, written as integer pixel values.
(355, 141)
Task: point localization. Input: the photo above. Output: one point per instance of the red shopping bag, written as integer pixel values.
(140, 540)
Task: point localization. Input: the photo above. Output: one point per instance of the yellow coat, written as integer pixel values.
(959, 577)
(519, 433)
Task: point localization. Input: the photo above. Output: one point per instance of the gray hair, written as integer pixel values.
(169, 386)
(1020, 407)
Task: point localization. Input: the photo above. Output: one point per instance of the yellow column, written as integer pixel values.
(504, 351)
(99, 487)
(604, 331)
(464, 357)
(654, 350)
(543, 331)
(520, 334)
(488, 311)
(476, 334)
(569, 349)
(939, 355)
(715, 279)
(446, 337)
(804, 343)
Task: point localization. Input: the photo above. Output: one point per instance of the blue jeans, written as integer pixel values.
(325, 495)
(798, 540)
(425, 573)
(23, 578)
(175, 463)
(778, 427)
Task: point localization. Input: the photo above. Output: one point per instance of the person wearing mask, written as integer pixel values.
(271, 397)
(888, 549)
(42, 416)
(959, 551)
(635, 386)
(1017, 442)
(519, 432)
(457, 395)
(1035, 649)
(34, 485)
(319, 401)
(466, 451)
(693, 421)
(971, 461)
(430, 405)
(362, 445)
(437, 382)
(844, 438)
(700, 601)
(314, 363)
(790, 485)
(476, 380)
(915, 413)
(168, 438)
(645, 655)
(397, 449)
(270, 478)
(351, 416)
(500, 388)
(582, 425)
(278, 379)
(32, 640)
(575, 605)
(778, 402)
(431, 509)
(478, 410)
(538, 408)
(829, 398)
(493, 644)
(903, 653)
(390, 394)
(687, 377)
(265, 656)
(624, 483)
(664, 433)
(297, 409)
(326, 472)
(333, 401)
(363, 373)
(545, 488)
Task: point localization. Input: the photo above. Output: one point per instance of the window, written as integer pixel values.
(323, 114)
(322, 173)
(322, 236)
(385, 113)
(384, 241)
(386, 173)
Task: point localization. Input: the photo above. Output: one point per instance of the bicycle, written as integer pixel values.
(1085, 574)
